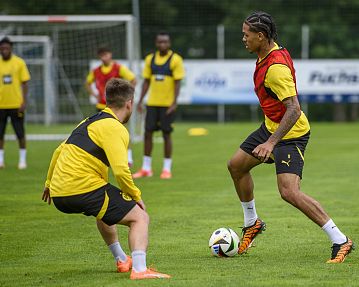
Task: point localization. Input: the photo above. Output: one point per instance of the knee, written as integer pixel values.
(166, 135)
(288, 193)
(143, 217)
(235, 169)
(148, 135)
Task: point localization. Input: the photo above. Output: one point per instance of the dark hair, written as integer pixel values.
(262, 22)
(103, 49)
(6, 40)
(118, 92)
(163, 33)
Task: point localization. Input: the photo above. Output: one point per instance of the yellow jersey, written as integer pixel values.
(280, 80)
(13, 73)
(76, 170)
(163, 71)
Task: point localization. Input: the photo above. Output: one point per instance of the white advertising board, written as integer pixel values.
(231, 81)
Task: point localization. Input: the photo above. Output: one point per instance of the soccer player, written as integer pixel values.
(77, 179)
(14, 77)
(162, 75)
(100, 75)
(281, 139)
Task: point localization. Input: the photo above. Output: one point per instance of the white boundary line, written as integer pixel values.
(40, 137)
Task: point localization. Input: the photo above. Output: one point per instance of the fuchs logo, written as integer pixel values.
(210, 81)
(340, 77)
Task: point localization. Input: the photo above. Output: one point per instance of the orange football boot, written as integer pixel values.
(249, 234)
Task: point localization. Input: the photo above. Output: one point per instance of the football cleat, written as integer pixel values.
(249, 234)
(166, 174)
(123, 267)
(142, 173)
(148, 274)
(340, 251)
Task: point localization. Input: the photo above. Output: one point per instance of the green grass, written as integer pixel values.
(39, 246)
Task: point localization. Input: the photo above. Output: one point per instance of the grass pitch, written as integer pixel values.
(39, 246)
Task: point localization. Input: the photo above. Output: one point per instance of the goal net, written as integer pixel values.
(59, 51)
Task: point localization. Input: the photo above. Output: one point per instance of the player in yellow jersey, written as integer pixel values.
(14, 77)
(77, 179)
(101, 75)
(281, 139)
(162, 75)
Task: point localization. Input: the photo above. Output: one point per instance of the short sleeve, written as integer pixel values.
(280, 80)
(90, 77)
(126, 74)
(147, 72)
(24, 72)
(178, 71)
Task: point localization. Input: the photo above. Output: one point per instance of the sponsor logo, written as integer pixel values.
(210, 81)
(126, 197)
(340, 77)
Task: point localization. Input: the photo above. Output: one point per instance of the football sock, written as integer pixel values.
(167, 164)
(333, 232)
(22, 155)
(139, 261)
(249, 212)
(147, 163)
(117, 252)
(1, 156)
(129, 156)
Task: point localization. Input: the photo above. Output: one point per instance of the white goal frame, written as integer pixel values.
(132, 44)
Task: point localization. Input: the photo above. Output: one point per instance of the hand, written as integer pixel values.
(141, 204)
(46, 195)
(171, 109)
(140, 107)
(263, 151)
(22, 108)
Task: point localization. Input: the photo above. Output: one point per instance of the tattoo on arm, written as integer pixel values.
(290, 117)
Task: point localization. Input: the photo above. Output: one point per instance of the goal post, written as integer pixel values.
(70, 43)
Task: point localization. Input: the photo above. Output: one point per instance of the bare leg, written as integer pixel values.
(167, 145)
(148, 143)
(289, 188)
(137, 220)
(239, 167)
(108, 233)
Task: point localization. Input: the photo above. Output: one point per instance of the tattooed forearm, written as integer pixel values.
(290, 117)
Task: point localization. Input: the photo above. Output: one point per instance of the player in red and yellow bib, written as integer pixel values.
(107, 70)
(98, 77)
(281, 139)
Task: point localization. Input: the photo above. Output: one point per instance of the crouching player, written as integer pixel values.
(77, 180)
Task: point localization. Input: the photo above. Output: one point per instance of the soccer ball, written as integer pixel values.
(224, 242)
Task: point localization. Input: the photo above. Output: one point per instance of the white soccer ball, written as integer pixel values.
(224, 242)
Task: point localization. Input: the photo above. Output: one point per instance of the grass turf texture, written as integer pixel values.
(42, 247)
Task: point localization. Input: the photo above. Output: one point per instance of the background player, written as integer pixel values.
(102, 74)
(77, 179)
(162, 74)
(281, 139)
(14, 77)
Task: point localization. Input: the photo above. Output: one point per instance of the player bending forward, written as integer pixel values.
(281, 139)
(77, 179)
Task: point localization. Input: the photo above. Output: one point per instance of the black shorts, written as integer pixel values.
(288, 155)
(94, 204)
(157, 119)
(17, 121)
